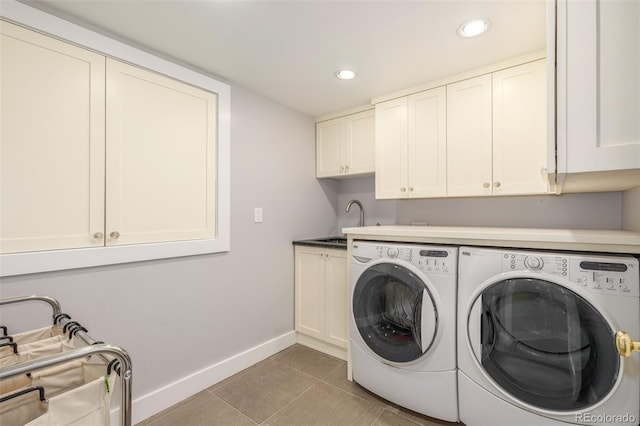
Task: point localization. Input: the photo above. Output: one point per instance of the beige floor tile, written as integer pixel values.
(338, 378)
(309, 361)
(325, 405)
(387, 418)
(265, 389)
(203, 409)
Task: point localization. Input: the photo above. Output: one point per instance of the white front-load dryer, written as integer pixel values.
(403, 324)
(537, 338)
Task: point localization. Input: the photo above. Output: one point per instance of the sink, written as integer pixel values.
(333, 240)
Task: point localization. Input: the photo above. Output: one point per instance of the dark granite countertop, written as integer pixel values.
(327, 242)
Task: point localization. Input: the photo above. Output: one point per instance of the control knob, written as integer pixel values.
(392, 252)
(533, 262)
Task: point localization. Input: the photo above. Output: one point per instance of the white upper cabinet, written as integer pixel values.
(391, 146)
(411, 146)
(520, 130)
(427, 145)
(161, 148)
(469, 155)
(497, 134)
(52, 143)
(65, 184)
(598, 95)
(345, 145)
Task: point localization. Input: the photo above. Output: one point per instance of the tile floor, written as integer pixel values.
(296, 387)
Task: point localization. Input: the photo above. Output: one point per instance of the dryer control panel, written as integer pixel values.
(428, 259)
(614, 275)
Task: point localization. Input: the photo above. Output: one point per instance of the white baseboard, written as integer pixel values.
(166, 396)
(321, 346)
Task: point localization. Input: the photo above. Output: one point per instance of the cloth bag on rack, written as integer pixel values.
(22, 409)
(37, 350)
(78, 393)
(38, 337)
(37, 334)
(86, 405)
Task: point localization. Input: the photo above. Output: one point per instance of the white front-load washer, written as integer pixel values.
(403, 344)
(537, 338)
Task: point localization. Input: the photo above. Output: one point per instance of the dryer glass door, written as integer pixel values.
(544, 344)
(394, 312)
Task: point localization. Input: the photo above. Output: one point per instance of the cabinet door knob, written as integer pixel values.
(496, 184)
(486, 185)
(410, 189)
(346, 169)
(341, 169)
(114, 235)
(98, 236)
(403, 189)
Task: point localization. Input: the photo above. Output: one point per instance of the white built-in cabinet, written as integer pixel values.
(481, 135)
(598, 95)
(322, 298)
(161, 156)
(411, 146)
(52, 143)
(345, 145)
(97, 152)
(469, 141)
(496, 133)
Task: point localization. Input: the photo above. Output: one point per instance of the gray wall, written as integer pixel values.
(178, 316)
(587, 211)
(631, 210)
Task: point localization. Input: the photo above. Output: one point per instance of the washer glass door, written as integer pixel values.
(544, 344)
(394, 312)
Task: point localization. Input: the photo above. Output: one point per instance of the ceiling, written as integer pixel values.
(289, 51)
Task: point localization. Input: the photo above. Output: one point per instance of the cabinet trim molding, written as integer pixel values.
(33, 262)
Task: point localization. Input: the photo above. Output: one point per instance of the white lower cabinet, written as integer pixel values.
(322, 299)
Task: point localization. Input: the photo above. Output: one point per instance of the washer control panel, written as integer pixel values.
(595, 273)
(428, 259)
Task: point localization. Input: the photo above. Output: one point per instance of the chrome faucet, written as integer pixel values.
(361, 210)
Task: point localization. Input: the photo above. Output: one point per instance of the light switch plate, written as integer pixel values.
(257, 215)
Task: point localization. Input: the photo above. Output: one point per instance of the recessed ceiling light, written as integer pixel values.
(473, 28)
(345, 74)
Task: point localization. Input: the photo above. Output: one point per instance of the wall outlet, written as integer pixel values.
(257, 215)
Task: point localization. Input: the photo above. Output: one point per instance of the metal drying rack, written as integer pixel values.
(94, 347)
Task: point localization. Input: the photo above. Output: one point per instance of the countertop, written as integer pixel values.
(326, 242)
(612, 241)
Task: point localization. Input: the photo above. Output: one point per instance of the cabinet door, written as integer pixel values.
(519, 129)
(310, 291)
(161, 148)
(52, 173)
(360, 146)
(391, 149)
(469, 139)
(330, 141)
(427, 145)
(598, 86)
(337, 298)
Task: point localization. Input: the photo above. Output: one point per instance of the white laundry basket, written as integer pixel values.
(47, 378)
